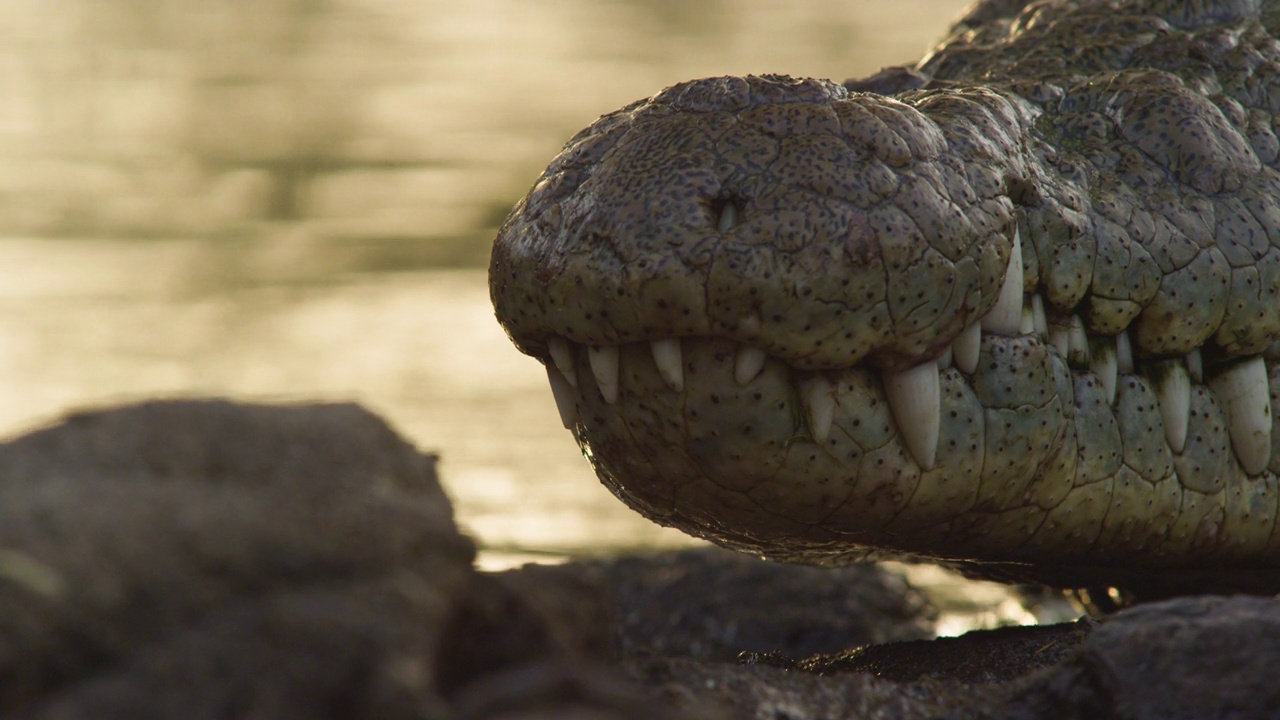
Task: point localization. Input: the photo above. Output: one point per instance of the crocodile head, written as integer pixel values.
(1014, 306)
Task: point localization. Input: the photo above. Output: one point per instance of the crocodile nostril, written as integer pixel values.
(725, 211)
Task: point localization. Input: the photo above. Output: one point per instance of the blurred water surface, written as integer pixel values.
(294, 200)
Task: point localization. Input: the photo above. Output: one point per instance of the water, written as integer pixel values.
(293, 201)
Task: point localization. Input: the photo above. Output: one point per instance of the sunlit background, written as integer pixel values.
(294, 200)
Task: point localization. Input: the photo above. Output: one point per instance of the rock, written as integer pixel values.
(713, 604)
(1195, 657)
(715, 632)
(203, 559)
(986, 656)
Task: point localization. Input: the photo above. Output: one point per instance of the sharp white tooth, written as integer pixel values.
(1103, 364)
(1173, 387)
(604, 365)
(818, 396)
(1038, 317)
(915, 399)
(728, 218)
(944, 362)
(1077, 343)
(666, 355)
(1006, 317)
(748, 364)
(1245, 395)
(1124, 353)
(1028, 323)
(563, 359)
(966, 346)
(564, 395)
(1060, 338)
(1195, 367)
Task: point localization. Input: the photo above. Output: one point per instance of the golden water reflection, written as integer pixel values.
(256, 199)
(96, 322)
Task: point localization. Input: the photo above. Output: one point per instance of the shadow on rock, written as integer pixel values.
(203, 559)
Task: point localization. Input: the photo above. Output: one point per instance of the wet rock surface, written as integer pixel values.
(203, 559)
(713, 605)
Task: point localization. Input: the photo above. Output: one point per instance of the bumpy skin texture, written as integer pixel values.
(1130, 145)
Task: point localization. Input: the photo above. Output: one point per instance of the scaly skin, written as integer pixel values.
(854, 236)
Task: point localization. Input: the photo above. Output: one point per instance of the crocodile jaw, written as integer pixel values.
(1036, 458)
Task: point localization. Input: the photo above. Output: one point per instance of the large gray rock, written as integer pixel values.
(1189, 658)
(1193, 658)
(202, 559)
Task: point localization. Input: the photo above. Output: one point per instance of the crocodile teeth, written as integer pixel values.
(563, 359)
(1006, 317)
(1028, 322)
(748, 364)
(1124, 353)
(966, 346)
(563, 393)
(948, 356)
(915, 400)
(1060, 338)
(1038, 317)
(1195, 367)
(1246, 398)
(604, 365)
(1103, 364)
(1173, 388)
(728, 218)
(818, 396)
(666, 355)
(1077, 343)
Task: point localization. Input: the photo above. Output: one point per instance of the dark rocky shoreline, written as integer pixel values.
(206, 559)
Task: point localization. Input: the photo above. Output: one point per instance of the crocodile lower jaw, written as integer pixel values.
(913, 395)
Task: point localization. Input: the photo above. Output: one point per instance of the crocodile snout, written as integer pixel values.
(1024, 313)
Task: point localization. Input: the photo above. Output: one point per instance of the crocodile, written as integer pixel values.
(1013, 308)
